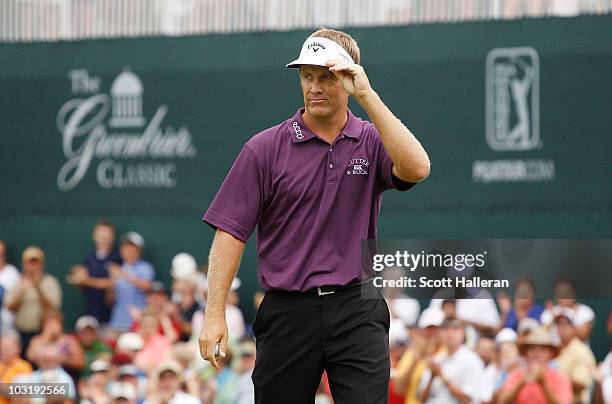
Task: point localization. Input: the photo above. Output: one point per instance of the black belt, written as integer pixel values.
(324, 290)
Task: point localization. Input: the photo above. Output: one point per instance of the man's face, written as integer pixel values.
(87, 336)
(49, 358)
(565, 329)
(149, 326)
(323, 92)
(157, 300)
(10, 349)
(129, 252)
(565, 294)
(537, 354)
(486, 349)
(453, 336)
(168, 382)
(33, 267)
(103, 237)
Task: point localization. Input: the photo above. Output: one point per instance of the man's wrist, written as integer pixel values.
(214, 311)
(368, 98)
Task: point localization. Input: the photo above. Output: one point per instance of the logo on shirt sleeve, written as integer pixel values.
(358, 166)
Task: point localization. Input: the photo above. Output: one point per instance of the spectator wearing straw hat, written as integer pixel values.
(36, 293)
(537, 382)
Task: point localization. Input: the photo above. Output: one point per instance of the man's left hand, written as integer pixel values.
(352, 76)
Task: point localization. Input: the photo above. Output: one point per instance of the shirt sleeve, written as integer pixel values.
(146, 272)
(385, 178)
(236, 207)
(53, 292)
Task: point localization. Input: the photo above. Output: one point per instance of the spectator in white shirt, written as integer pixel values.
(164, 386)
(485, 348)
(456, 376)
(603, 376)
(9, 277)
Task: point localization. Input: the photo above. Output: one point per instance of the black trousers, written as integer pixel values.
(345, 333)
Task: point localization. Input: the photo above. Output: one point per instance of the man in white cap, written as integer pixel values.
(185, 278)
(131, 281)
(313, 186)
(86, 329)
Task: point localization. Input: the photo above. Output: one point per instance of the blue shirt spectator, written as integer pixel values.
(128, 294)
(512, 319)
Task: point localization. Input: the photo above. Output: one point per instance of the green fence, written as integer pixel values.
(515, 116)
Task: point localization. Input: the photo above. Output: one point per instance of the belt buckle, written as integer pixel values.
(323, 293)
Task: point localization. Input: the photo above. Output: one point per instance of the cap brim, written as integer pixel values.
(306, 61)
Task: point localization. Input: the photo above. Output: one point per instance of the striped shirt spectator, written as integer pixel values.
(131, 281)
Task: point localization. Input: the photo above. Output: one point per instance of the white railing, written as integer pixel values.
(51, 20)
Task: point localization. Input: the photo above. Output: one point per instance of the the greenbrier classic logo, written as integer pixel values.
(513, 118)
(110, 130)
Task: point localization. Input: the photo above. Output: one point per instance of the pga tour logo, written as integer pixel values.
(513, 99)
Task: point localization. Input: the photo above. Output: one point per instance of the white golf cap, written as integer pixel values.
(431, 317)
(130, 341)
(123, 390)
(99, 365)
(184, 266)
(133, 238)
(505, 335)
(316, 51)
(86, 321)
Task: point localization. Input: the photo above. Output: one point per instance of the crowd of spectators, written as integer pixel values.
(136, 340)
(504, 350)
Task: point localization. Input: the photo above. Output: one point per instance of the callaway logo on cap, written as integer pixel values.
(316, 51)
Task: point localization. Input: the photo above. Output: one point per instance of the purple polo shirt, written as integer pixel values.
(312, 202)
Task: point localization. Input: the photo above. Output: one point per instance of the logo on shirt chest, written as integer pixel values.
(358, 166)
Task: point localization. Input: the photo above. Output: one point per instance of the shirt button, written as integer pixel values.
(331, 149)
(331, 166)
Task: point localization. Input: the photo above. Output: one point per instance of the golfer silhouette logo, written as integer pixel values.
(513, 99)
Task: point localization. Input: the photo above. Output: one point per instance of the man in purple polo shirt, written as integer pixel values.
(312, 186)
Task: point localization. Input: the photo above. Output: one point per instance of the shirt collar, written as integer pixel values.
(300, 133)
